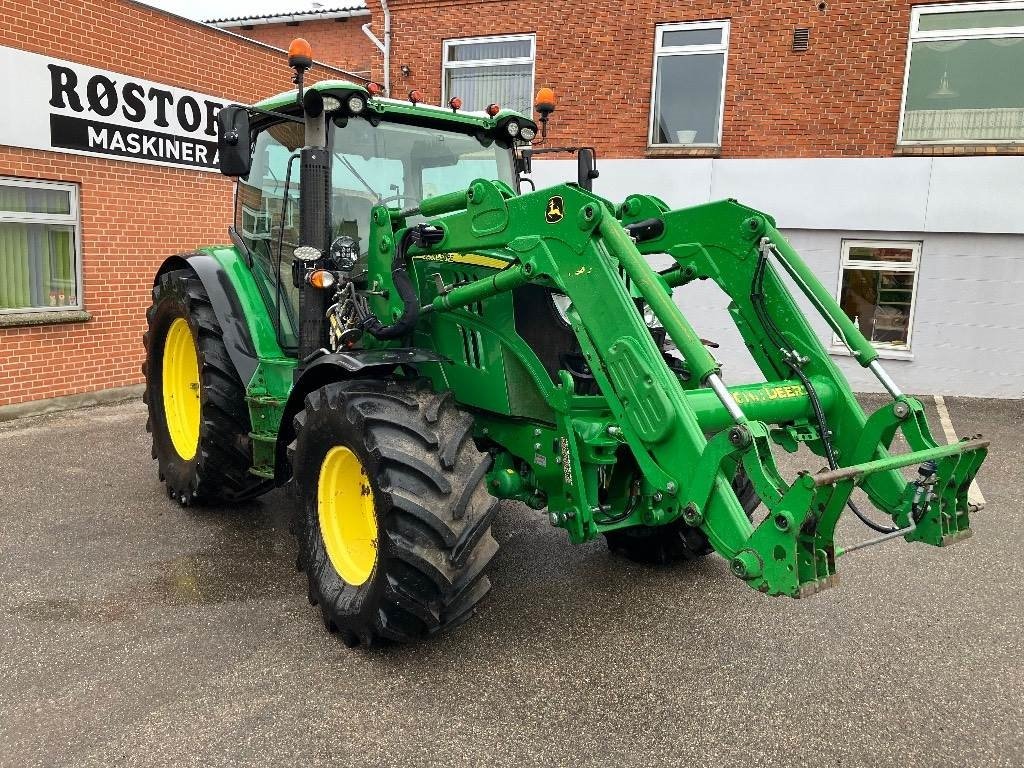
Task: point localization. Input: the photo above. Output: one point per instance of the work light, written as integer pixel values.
(356, 103)
(307, 253)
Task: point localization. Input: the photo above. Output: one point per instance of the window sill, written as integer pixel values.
(19, 319)
(957, 150)
(683, 152)
(885, 354)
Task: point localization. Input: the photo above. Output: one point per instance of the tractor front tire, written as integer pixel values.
(393, 519)
(197, 411)
(675, 541)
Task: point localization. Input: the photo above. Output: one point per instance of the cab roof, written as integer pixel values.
(383, 106)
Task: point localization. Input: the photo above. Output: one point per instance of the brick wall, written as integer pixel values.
(338, 42)
(132, 215)
(841, 98)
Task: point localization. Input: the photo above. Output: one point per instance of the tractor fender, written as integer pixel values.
(339, 366)
(225, 304)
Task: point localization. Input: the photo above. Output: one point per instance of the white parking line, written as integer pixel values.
(974, 492)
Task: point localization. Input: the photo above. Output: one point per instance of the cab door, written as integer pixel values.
(267, 217)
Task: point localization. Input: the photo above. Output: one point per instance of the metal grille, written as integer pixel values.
(472, 347)
(801, 39)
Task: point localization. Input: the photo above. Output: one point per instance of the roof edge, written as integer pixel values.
(242, 38)
(285, 18)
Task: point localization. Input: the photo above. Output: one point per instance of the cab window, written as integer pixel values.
(268, 222)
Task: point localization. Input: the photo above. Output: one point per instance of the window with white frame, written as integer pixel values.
(688, 88)
(39, 263)
(963, 79)
(877, 290)
(490, 70)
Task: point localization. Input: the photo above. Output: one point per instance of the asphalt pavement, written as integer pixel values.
(135, 632)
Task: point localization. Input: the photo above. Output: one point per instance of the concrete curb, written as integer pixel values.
(70, 402)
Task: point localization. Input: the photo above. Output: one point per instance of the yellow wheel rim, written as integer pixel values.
(181, 389)
(348, 526)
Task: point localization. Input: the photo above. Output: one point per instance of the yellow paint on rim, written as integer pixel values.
(348, 525)
(181, 389)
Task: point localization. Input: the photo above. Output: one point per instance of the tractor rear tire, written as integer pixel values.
(197, 411)
(393, 520)
(675, 541)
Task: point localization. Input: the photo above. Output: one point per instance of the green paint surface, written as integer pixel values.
(625, 435)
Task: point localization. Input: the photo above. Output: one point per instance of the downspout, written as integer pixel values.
(385, 47)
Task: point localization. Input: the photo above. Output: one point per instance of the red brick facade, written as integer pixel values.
(841, 98)
(338, 42)
(132, 215)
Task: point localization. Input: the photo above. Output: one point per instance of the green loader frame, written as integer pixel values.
(523, 344)
(589, 256)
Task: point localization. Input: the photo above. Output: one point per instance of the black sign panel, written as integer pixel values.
(123, 141)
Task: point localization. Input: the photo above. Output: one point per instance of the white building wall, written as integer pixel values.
(968, 213)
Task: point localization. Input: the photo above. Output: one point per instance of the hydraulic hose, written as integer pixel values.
(419, 235)
(793, 361)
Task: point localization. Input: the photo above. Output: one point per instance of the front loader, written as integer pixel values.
(403, 336)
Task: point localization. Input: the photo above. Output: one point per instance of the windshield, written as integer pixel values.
(397, 165)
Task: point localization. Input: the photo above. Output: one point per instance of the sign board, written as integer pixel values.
(67, 107)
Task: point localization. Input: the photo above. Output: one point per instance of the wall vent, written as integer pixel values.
(801, 39)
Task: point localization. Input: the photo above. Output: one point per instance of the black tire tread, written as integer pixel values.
(434, 513)
(221, 472)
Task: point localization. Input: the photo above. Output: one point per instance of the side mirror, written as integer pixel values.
(586, 168)
(233, 137)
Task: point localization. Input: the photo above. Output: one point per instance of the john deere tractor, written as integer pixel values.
(403, 332)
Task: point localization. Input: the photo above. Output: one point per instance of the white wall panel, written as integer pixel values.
(976, 194)
(884, 194)
(829, 193)
(680, 184)
(969, 317)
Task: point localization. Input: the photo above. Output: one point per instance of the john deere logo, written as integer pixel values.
(554, 213)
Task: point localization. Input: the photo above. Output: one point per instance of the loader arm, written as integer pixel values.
(577, 244)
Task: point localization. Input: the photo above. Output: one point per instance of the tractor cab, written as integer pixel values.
(376, 152)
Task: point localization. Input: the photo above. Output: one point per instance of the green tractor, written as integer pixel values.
(403, 335)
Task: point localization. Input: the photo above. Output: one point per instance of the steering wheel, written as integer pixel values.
(393, 198)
